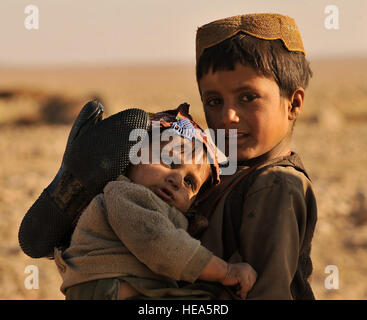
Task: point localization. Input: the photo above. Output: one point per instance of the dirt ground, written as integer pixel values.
(37, 107)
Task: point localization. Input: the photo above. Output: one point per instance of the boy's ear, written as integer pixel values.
(296, 104)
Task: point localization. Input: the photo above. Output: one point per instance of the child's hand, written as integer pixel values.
(241, 274)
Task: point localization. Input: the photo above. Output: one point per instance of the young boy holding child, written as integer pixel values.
(130, 242)
(252, 74)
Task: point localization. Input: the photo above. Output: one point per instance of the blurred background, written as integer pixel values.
(142, 54)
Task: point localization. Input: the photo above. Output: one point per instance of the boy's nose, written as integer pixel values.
(229, 115)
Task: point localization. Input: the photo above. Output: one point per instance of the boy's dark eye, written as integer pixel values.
(248, 97)
(213, 102)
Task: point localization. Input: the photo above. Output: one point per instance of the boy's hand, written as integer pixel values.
(241, 274)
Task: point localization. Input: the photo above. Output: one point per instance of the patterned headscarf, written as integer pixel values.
(180, 121)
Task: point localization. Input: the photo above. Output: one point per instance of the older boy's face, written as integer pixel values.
(251, 103)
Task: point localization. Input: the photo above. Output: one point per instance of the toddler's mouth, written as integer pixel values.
(164, 194)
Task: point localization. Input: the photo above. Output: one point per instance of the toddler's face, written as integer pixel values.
(179, 182)
(176, 184)
(251, 103)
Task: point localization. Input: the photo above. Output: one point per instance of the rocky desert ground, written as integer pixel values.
(37, 107)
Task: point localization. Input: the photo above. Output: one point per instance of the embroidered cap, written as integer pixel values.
(268, 26)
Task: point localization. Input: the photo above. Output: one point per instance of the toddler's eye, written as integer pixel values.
(167, 165)
(170, 164)
(190, 183)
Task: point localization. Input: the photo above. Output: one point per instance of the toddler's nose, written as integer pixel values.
(175, 180)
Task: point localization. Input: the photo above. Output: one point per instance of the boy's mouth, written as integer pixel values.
(238, 135)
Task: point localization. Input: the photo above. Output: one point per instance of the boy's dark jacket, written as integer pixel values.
(267, 220)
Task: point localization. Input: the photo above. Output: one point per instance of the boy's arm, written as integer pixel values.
(141, 221)
(272, 230)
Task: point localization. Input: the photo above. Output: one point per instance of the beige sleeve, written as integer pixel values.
(142, 221)
(272, 228)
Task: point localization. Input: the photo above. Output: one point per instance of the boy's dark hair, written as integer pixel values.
(289, 69)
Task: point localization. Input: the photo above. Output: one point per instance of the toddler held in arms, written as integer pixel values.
(131, 242)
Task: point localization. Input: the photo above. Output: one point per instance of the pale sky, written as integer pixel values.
(159, 31)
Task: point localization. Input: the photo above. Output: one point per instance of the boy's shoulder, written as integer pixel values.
(282, 176)
(287, 172)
